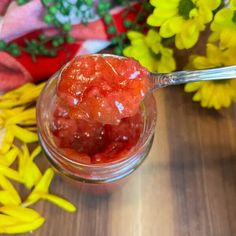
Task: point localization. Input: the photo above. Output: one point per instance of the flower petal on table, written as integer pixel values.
(8, 158)
(6, 140)
(28, 114)
(7, 198)
(7, 185)
(22, 134)
(10, 173)
(41, 188)
(21, 213)
(35, 152)
(22, 227)
(61, 202)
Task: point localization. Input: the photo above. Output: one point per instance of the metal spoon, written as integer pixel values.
(160, 80)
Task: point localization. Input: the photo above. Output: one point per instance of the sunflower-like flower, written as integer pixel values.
(213, 94)
(224, 26)
(150, 52)
(183, 19)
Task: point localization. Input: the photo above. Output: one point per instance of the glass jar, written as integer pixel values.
(92, 173)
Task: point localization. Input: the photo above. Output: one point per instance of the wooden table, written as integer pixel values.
(186, 186)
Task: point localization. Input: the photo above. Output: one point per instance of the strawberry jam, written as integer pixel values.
(97, 117)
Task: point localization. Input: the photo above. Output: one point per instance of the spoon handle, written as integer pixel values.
(161, 80)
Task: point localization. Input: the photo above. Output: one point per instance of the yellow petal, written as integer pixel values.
(207, 91)
(17, 91)
(21, 213)
(189, 36)
(10, 103)
(22, 227)
(6, 220)
(41, 188)
(10, 173)
(31, 199)
(6, 185)
(197, 97)
(172, 26)
(6, 140)
(192, 87)
(66, 205)
(32, 94)
(45, 181)
(36, 152)
(28, 170)
(29, 114)
(7, 198)
(133, 35)
(7, 113)
(159, 16)
(8, 158)
(31, 175)
(153, 41)
(24, 135)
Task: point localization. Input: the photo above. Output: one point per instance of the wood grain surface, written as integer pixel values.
(186, 186)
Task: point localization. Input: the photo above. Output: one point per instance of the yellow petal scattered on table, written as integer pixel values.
(41, 192)
(21, 213)
(28, 170)
(35, 152)
(18, 91)
(10, 103)
(8, 113)
(8, 158)
(61, 202)
(45, 181)
(6, 220)
(24, 135)
(7, 185)
(32, 94)
(32, 174)
(17, 219)
(18, 121)
(10, 173)
(21, 117)
(7, 198)
(6, 140)
(22, 227)
(41, 188)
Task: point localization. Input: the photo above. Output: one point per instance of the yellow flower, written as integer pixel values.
(224, 27)
(213, 94)
(149, 51)
(183, 19)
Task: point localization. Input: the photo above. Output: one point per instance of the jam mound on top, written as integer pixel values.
(97, 117)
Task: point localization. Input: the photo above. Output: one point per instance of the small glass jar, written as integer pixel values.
(92, 173)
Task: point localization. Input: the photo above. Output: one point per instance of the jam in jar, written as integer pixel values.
(94, 121)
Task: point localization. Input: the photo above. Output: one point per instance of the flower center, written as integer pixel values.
(234, 17)
(156, 56)
(185, 6)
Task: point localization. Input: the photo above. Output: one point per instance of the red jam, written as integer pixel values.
(97, 118)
